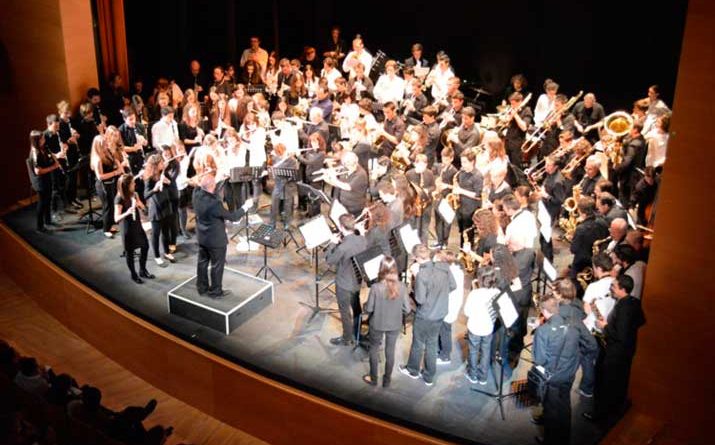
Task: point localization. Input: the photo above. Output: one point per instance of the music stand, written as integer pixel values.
(244, 175)
(502, 307)
(267, 236)
(289, 175)
(366, 266)
(90, 216)
(316, 232)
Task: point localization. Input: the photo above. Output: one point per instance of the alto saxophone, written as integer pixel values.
(467, 259)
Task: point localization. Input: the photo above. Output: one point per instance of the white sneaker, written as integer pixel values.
(482, 382)
(159, 261)
(585, 394)
(109, 235)
(169, 257)
(443, 362)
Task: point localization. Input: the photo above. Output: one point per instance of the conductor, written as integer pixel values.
(211, 218)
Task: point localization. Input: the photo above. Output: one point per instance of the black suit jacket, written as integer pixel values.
(622, 328)
(211, 218)
(410, 62)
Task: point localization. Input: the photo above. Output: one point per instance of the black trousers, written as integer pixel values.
(106, 192)
(465, 222)
(161, 228)
(71, 192)
(216, 257)
(445, 341)
(375, 343)
(144, 253)
(349, 306)
(612, 376)
(441, 228)
(59, 190)
(44, 204)
(557, 414)
(174, 226)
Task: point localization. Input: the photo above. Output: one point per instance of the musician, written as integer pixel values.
(553, 193)
(88, 128)
(219, 116)
(375, 226)
(545, 103)
(556, 348)
(42, 165)
(126, 211)
(317, 124)
(351, 189)
(389, 87)
(313, 160)
(416, 60)
(69, 136)
(361, 84)
(256, 54)
(284, 192)
(162, 101)
(106, 170)
(626, 262)
(59, 149)
(433, 283)
(656, 108)
(657, 140)
(135, 141)
(358, 54)
(347, 286)
(393, 128)
(563, 122)
(468, 135)
(517, 84)
(387, 194)
(620, 331)
(251, 77)
(439, 77)
(444, 173)
(592, 176)
(172, 171)
(607, 206)
(95, 98)
(519, 123)
(296, 94)
(480, 326)
(422, 179)
(360, 142)
(644, 196)
(588, 112)
(634, 153)
(335, 47)
(195, 80)
(156, 195)
(220, 84)
(165, 131)
(113, 99)
(452, 115)
(590, 228)
(429, 123)
(330, 73)
(468, 186)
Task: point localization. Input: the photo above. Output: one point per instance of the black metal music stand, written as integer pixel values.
(244, 175)
(267, 236)
(90, 216)
(315, 236)
(367, 274)
(289, 175)
(499, 396)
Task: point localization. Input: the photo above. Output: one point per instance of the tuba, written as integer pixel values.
(617, 124)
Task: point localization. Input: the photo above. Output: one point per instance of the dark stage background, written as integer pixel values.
(615, 49)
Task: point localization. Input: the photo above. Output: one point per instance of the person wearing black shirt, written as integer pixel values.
(392, 131)
(126, 212)
(70, 137)
(422, 180)
(627, 172)
(107, 170)
(553, 194)
(313, 161)
(284, 190)
(386, 304)
(590, 228)
(644, 196)
(517, 84)
(59, 149)
(588, 112)
(195, 80)
(95, 98)
(469, 188)
(516, 129)
(353, 188)
(429, 115)
(592, 176)
(444, 176)
(564, 121)
(171, 172)
(614, 367)
(335, 47)
(414, 102)
(113, 99)
(42, 164)
(211, 219)
(347, 285)
(135, 141)
(416, 59)
(156, 194)
(220, 83)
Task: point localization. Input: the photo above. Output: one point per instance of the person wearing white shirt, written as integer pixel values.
(390, 87)
(480, 326)
(358, 54)
(521, 232)
(439, 77)
(656, 109)
(657, 140)
(330, 73)
(545, 103)
(255, 53)
(456, 298)
(165, 131)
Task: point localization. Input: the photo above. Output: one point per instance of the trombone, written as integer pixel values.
(538, 135)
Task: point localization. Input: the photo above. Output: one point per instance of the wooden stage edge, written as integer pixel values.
(269, 410)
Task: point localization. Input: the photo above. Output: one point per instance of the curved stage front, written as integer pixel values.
(276, 376)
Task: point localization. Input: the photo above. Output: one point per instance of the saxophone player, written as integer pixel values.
(467, 184)
(553, 193)
(423, 181)
(589, 229)
(444, 173)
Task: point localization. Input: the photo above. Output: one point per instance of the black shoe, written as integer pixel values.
(367, 379)
(386, 382)
(145, 274)
(201, 292)
(221, 294)
(537, 420)
(137, 280)
(340, 341)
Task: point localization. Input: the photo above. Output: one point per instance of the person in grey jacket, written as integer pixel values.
(386, 304)
(347, 286)
(433, 283)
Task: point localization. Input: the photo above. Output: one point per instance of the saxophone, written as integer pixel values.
(453, 198)
(466, 258)
(568, 225)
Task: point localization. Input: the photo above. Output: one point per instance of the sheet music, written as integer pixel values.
(372, 267)
(544, 219)
(507, 311)
(315, 232)
(549, 270)
(446, 211)
(410, 237)
(421, 71)
(336, 211)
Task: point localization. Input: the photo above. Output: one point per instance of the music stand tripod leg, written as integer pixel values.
(316, 309)
(499, 396)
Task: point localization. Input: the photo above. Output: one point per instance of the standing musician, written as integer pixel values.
(468, 185)
(211, 219)
(634, 154)
(347, 286)
(590, 228)
(467, 135)
(313, 160)
(439, 77)
(336, 46)
(389, 87)
(126, 211)
(59, 150)
(69, 136)
(156, 194)
(172, 170)
(517, 84)
(42, 164)
(393, 128)
(284, 192)
(517, 125)
(165, 131)
(588, 112)
(107, 170)
(429, 123)
(545, 103)
(376, 227)
(352, 189)
(563, 122)
(134, 139)
(416, 59)
(358, 54)
(553, 193)
(422, 179)
(444, 173)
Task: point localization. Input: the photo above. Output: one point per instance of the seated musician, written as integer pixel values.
(251, 77)
(608, 207)
(352, 188)
(317, 125)
(452, 116)
(361, 84)
(393, 128)
(592, 176)
(284, 191)
(389, 87)
(330, 72)
(416, 60)
(414, 102)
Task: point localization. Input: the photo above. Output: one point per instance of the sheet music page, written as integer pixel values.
(372, 267)
(549, 270)
(421, 71)
(315, 232)
(544, 220)
(410, 237)
(446, 211)
(507, 311)
(336, 211)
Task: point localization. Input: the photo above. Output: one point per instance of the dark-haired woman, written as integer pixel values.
(386, 305)
(156, 194)
(126, 213)
(42, 164)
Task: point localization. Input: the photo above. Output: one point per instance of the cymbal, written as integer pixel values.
(478, 90)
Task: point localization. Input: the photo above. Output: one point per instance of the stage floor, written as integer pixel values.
(281, 343)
